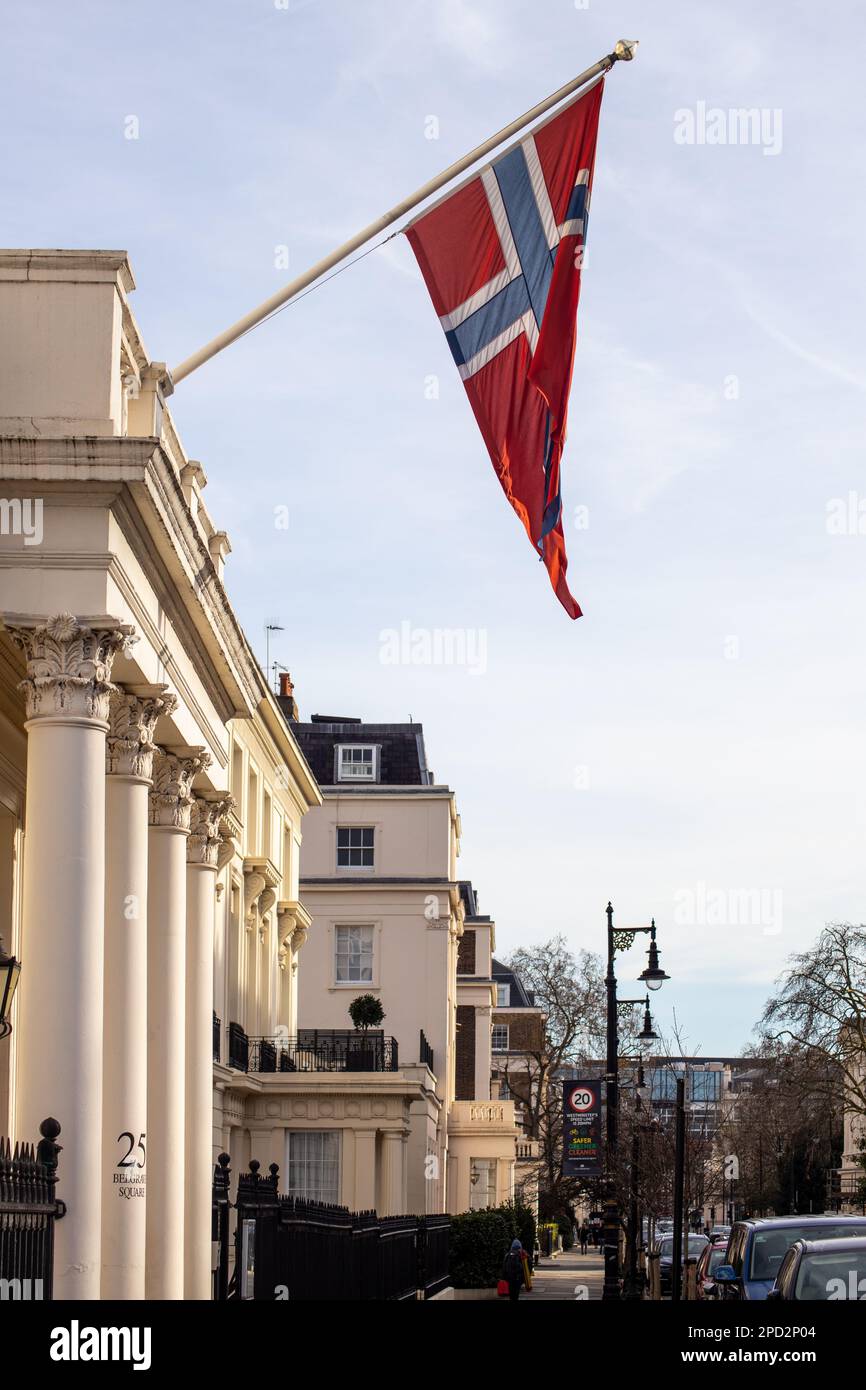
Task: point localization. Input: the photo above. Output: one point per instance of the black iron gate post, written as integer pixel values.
(29, 1210)
(221, 1209)
(258, 1209)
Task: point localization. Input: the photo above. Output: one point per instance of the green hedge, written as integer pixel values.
(480, 1241)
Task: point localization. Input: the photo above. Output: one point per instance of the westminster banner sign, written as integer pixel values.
(581, 1137)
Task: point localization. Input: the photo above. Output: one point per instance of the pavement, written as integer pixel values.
(569, 1276)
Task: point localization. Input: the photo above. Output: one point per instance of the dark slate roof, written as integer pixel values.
(402, 760)
(470, 902)
(520, 998)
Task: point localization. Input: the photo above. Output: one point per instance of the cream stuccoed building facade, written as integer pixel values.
(379, 877)
(151, 791)
(155, 796)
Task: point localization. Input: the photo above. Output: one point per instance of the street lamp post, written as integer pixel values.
(679, 1190)
(619, 939)
(631, 1283)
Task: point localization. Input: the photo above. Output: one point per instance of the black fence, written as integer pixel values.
(28, 1212)
(217, 1033)
(312, 1049)
(239, 1048)
(287, 1249)
(425, 1051)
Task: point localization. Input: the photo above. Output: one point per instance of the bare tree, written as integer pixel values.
(785, 1130)
(819, 1009)
(570, 990)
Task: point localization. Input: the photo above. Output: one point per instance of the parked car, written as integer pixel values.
(665, 1249)
(757, 1247)
(720, 1233)
(712, 1256)
(822, 1271)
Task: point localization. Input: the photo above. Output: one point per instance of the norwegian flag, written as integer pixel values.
(502, 258)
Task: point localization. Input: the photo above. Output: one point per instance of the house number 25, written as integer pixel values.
(128, 1160)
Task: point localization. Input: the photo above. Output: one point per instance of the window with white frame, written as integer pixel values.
(313, 1164)
(482, 1180)
(355, 847)
(357, 762)
(353, 955)
(503, 996)
(499, 1040)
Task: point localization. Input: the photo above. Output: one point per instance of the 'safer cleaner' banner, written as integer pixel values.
(581, 1129)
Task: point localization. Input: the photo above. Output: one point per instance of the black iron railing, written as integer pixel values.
(239, 1048)
(434, 1233)
(28, 1212)
(425, 1053)
(304, 1251)
(217, 1037)
(313, 1049)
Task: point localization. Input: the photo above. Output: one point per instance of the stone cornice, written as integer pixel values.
(331, 1086)
(144, 489)
(38, 264)
(69, 665)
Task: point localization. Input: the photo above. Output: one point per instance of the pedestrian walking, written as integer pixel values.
(512, 1270)
(584, 1237)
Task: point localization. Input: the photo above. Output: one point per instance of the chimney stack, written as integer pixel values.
(286, 698)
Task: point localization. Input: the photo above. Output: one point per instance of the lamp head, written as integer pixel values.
(648, 1035)
(653, 976)
(10, 969)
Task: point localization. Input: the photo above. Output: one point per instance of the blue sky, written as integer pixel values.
(696, 742)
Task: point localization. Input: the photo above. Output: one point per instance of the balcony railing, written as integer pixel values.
(217, 1034)
(425, 1053)
(312, 1050)
(239, 1048)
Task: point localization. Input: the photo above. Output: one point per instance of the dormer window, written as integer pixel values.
(357, 762)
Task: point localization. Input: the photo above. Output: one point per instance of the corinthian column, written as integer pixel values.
(128, 766)
(170, 804)
(67, 690)
(202, 859)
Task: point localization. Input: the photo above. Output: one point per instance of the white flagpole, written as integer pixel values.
(623, 52)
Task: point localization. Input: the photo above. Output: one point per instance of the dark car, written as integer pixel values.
(822, 1271)
(711, 1257)
(665, 1249)
(757, 1248)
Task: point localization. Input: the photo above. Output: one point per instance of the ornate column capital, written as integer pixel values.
(129, 746)
(171, 794)
(69, 665)
(205, 837)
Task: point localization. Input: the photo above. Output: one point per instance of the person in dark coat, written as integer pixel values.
(583, 1235)
(512, 1270)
